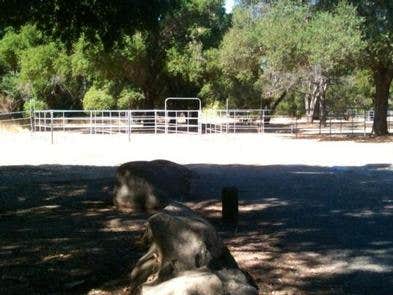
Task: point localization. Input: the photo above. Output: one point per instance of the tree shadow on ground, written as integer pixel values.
(302, 229)
(307, 230)
(60, 233)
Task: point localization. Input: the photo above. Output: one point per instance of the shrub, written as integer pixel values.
(34, 104)
(97, 99)
(130, 98)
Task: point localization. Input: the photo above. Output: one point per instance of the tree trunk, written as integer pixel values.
(307, 106)
(272, 106)
(382, 79)
(150, 98)
(322, 102)
(278, 101)
(312, 107)
(322, 111)
(316, 114)
(312, 101)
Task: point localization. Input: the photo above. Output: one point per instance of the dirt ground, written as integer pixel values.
(25, 148)
(316, 214)
(302, 230)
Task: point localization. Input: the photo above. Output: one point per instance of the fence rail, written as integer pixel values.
(160, 121)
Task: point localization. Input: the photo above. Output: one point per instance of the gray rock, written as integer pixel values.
(148, 186)
(187, 256)
(187, 283)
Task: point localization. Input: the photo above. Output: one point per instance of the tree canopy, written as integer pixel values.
(378, 56)
(68, 19)
(299, 57)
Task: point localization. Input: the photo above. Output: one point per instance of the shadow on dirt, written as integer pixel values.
(302, 229)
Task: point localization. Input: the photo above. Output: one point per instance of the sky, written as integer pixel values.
(229, 5)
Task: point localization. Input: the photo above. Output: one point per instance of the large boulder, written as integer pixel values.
(186, 256)
(148, 186)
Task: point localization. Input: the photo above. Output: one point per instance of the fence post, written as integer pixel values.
(320, 126)
(155, 121)
(91, 122)
(110, 122)
(95, 123)
(296, 126)
(230, 204)
(102, 123)
(129, 126)
(263, 121)
(330, 126)
(119, 122)
(166, 121)
(341, 124)
(199, 123)
(234, 121)
(188, 122)
(51, 127)
(175, 122)
(227, 123)
(31, 121)
(365, 123)
(352, 127)
(63, 121)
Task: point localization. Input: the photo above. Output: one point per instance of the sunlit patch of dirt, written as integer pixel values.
(348, 137)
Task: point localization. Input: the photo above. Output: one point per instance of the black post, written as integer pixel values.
(230, 204)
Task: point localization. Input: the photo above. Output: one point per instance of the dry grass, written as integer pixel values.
(10, 127)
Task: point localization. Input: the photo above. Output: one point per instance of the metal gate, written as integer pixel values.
(183, 120)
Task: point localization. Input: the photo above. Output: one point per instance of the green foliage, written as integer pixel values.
(273, 49)
(130, 60)
(293, 105)
(377, 29)
(266, 54)
(239, 58)
(352, 91)
(68, 19)
(43, 66)
(14, 43)
(283, 31)
(295, 36)
(130, 98)
(378, 57)
(34, 104)
(10, 98)
(98, 99)
(334, 39)
(189, 64)
(134, 47)
(87, 58)
(9, 85)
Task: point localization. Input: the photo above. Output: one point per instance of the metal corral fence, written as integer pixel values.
(351, 122)
(188, 122)
(118, 121)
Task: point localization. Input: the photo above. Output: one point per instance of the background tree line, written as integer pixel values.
(298, 57)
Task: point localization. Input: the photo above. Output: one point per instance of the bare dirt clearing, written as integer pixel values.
(303, 229)
(251, 149)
